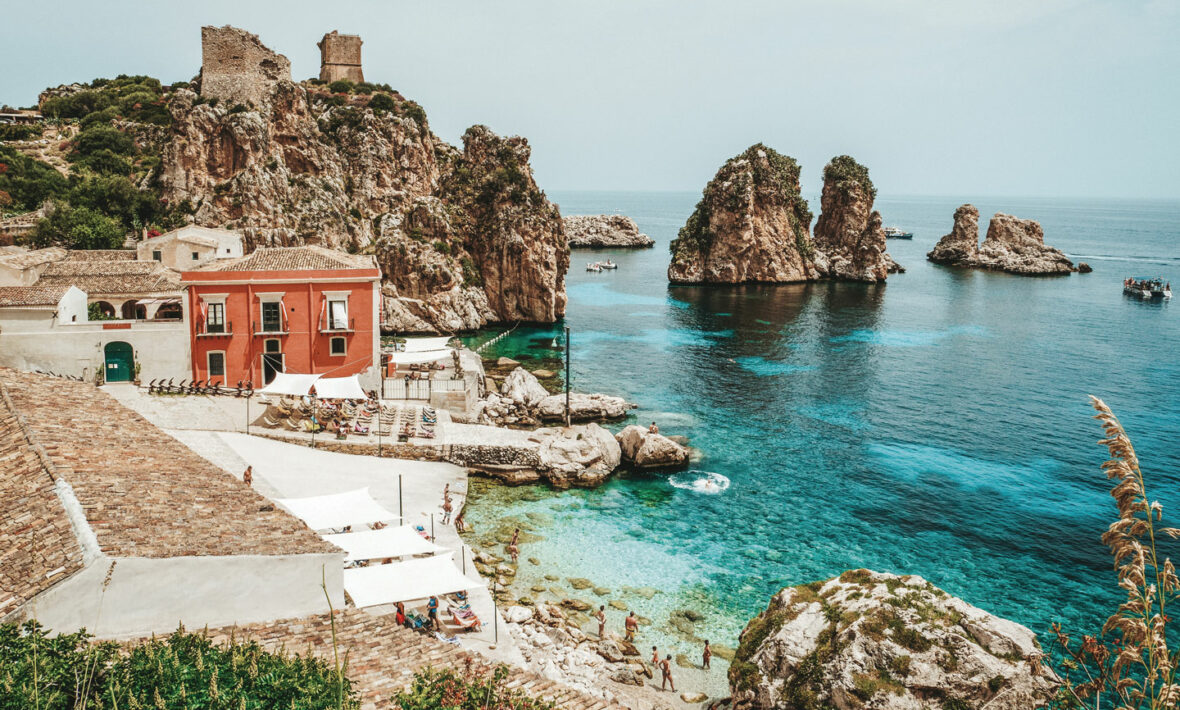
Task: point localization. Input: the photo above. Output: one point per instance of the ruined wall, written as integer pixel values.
(340, 57)
(237, 68)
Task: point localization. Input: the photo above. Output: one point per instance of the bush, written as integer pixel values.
(18, 132)
(341, 86)
(105, 162)
(78, 228)
(844, 170)
(468, 690)
(102, 137)
(29, 182)
(382, 102)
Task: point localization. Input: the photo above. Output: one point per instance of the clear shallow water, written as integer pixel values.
(937, 425)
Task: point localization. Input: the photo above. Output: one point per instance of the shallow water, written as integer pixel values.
(937, 425)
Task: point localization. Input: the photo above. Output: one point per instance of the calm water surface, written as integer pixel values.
(937, 425)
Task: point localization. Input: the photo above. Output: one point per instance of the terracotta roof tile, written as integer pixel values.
(31, 295)
(302, 258)
(97, 277)
(100, 255)
(26, 259)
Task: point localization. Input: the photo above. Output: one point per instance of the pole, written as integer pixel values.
(495, 614)
(401, 513)
(247, 415)
(463, 554)
(380, 386)
(567, 375)
(432, 538)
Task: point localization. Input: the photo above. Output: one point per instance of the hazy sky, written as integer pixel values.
(1004, 97)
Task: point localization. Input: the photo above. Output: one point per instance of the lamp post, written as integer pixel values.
(567, 375)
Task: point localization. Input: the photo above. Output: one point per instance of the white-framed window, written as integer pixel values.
(338, 346)
(336, 310)
(215, 321)
(216, 362)
(270, 312)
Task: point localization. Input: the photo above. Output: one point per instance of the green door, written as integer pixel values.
(120, 362)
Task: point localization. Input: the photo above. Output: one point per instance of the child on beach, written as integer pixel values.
(655, 657)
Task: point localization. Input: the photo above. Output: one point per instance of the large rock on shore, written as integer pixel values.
(868, 639)
(604, 231)
(1014, 245)
(643, 449)
(848, 234)
(577, 455)
(583, 407)
(523, 388)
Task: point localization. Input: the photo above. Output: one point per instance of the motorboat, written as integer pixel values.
(1147, 288)
(897, 233)
(608, 264)
(595, 267)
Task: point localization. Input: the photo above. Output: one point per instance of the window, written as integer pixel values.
(215, 321)
(339, 346)
(338, 314)
(272, 317)
(196, 256)
(217, 364)
(157, 256)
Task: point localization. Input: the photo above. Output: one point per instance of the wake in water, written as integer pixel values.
(700, 481)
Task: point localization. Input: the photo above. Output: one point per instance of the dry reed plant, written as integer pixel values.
(1129, 663)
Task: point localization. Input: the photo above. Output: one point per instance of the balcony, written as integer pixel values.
(335, 325)
(266, 329)
(215, 330)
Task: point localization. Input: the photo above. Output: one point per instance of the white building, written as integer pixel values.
(190, 246)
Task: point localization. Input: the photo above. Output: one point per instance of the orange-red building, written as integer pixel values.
(304, 310)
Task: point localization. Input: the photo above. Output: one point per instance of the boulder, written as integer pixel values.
(610, 650)
(901, 641)
(518, 614)
(507, 362)
(522, 387)
(1018, 246)
(1084, 268)
(626, 676)
(693, 698)
(604, 231)
(576, 456)
(583, 407)
(961, 246)
(643, 449)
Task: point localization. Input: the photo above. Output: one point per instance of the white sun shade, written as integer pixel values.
(386, 542)
(417, 345)
(420, 357)
(339, 388)
(338, 510)
(286, 383)
(406, 581)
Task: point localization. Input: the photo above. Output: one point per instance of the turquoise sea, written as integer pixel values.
(937, 425)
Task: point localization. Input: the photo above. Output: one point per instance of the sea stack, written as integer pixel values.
(751, 225)
(1014, 245)
(868, 639)
(604, 231)
(848, 233)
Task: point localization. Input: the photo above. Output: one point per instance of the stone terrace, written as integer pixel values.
(37, 543)
(143, 492)
(382, 656)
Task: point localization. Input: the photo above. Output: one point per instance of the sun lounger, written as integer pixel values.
(468, 624)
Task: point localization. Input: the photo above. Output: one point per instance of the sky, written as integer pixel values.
(1076, 98)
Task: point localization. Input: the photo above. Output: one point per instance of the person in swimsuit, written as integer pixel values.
(630, 626)
(708, 654)
(666, 670)
(601, 616)
(653, 429)
(513, 547)
(655, 656)
(447, 508)
(248, 476)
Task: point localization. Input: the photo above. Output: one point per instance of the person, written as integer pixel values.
(460, 523)
(655, 656)
(446, 491)
(630, 626)
(513, 547)
(708, 654)
(666, 671)
(248, 476)
(653, 428)
(400, 617)
(447, 508)
(601, 616)
(377, 525)
(432, 612)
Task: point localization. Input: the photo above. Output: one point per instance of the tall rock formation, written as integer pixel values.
(849, 232)
(872, 640)
(464, 237)
(1012, 244)
(961, 246)
(750, 225)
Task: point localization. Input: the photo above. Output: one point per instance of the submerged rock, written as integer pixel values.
(643, 449)
(868, 639)
(604, 231)
(1014, 245)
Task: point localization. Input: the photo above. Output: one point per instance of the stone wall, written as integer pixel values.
(340, 57)
(237, 68)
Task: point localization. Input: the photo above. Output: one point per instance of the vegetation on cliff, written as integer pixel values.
(844, 172)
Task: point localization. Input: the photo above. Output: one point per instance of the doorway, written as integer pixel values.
(272, 360)
(120, 362)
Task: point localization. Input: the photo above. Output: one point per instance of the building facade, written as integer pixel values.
(305, 310)
(190, 246)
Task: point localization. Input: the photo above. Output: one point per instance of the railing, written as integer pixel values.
(330, 325)
(216, 330)
(264, 329)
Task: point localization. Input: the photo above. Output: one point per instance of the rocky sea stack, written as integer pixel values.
(1014, 245)
(605, 231)
(752, 225)
(868, 639)
(463, 237)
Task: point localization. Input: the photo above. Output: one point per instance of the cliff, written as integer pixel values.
(752, 225)
(605, 231)
(867, 639)
(1012, 244)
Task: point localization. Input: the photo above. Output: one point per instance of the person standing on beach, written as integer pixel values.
(601, 616)
(447, 508)
(655, 657)
(708, 654)
(432, 611)
(666, 670)
(630, 626)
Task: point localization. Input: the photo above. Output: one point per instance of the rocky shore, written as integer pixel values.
(1013, 245)
(605, 231)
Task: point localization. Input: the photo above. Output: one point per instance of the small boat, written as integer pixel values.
(897, 233)
(608, 264)
(1147, 288)
(594, 267)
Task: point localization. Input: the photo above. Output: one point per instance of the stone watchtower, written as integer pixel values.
(236, 67)
(340, 57)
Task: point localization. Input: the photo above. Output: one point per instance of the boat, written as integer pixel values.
(1147, 288)
(897, 233)
(594, 267)
(608, 264)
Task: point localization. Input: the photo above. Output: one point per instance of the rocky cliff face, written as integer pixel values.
(1012, 244)
(605, 231)
(464, 237)
(752, 225)
(848, 233)
(867, 639)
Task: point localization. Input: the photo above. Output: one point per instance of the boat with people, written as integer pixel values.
(897, 233)
(599, 266)
(1147, 288)
(595, 267)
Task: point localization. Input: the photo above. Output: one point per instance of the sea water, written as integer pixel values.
(936, 425)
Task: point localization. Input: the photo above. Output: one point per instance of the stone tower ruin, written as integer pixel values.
(236, 67)
(340, 57)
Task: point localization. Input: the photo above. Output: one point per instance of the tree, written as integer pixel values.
(78, 228)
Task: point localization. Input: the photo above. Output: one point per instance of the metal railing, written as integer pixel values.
(331, 325)
(205, 329)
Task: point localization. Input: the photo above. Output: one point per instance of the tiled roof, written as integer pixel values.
(100, 255)
(27, 259)
(383, 657)
(303, 258)
(37, 543)
(143, 492)
(31, 295)
(111, 276)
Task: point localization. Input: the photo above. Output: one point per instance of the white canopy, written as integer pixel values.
(419, 357)
(403, 581)
(418, 345)
(339, 388)
(386, 542)
(286, 383)
(337, 510)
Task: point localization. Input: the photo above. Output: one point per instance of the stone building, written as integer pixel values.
(236, 67)
(340, 57)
